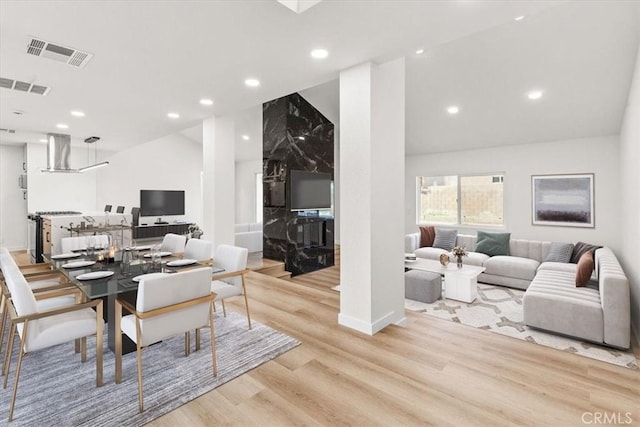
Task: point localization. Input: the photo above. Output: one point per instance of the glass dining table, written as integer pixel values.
(79, 270)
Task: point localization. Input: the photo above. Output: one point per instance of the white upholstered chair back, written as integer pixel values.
(23, 300)
(70, 244)
(173, 243)
(231, 258)
(169, 290)
(198, 249)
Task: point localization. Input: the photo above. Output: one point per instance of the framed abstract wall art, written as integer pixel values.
(563, 200)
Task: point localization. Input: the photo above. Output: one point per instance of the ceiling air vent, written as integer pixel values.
(23, 86)
(7, 130)
(68, 55)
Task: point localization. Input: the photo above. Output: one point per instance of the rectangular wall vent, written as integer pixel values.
(24, 86)
(68, 55)
(7, 130)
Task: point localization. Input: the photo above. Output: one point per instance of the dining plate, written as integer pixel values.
(78, 264)
(181, 262)
(161, 254)
(141, 248)
(95, 275)
(148, 276)
(67, 255)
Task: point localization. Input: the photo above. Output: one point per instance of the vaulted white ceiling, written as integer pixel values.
(151, 58)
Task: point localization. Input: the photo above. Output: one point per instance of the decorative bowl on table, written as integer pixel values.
(444, 259)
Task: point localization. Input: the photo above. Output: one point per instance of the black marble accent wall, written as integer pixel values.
(296, 136)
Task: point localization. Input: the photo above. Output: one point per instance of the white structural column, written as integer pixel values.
(372, 116)
(218, 180)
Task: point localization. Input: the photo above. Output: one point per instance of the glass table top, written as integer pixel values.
(118, 282)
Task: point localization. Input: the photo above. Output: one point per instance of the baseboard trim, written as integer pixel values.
(372, 328)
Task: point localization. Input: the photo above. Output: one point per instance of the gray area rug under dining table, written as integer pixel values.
(56, 389)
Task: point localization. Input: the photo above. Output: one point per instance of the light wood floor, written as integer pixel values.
(431, 372)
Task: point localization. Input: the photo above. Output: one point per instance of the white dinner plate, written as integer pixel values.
(78, 264)
(181, 262)
(95, 275)
(410, 260)
(141, 248)
(67, 255)
(148, 276)
(161, 254)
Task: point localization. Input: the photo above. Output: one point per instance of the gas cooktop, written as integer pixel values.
(58, 213)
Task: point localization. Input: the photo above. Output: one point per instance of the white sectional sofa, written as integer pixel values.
(599, 312)
(249, 235)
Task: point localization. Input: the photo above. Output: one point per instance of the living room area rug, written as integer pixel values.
(56, 389)
(499, 309)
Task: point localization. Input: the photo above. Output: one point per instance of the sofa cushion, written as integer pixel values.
(475, 258)
(579, 249)
(493, 244)
(241, 228)
(559, 252)
(430, 253)
(255, 226)
(511, 266)
(427, 236)
(445, 239)
(584, 269)
(558, 266)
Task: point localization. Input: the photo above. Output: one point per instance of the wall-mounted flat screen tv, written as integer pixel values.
(161, 202)
(310, 190)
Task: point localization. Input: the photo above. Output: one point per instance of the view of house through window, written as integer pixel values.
(468, 200)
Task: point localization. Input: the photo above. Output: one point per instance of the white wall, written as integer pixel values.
(246, 190)
(60, 191)
(173, 162)
(519, 162)
(13, 208)
(630, 205)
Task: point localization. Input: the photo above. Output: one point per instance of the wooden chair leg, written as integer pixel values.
(15, 383)
(5, 315)
(99, 345)
(214, 357)
(187, 343)
(7, 357)
(139, 360)
(197, 339)
(83, 349)
(224, 309)
(246, 301)
(118, 341)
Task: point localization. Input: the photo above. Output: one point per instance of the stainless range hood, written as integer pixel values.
(58, 152)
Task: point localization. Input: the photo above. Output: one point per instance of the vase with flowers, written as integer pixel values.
(195, 232)
(459, 252)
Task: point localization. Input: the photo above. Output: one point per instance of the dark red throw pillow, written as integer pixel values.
(427, 236)
(585, 268)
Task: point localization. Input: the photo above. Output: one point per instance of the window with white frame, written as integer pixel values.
(476, 200)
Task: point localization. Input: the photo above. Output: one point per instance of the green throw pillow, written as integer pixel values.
(493, 244)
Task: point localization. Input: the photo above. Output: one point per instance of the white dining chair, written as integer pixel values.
(173, 243)
(39, 328)
(200, 250)
(230, 283)
(166, 306)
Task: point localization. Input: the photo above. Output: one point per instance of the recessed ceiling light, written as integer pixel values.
(419, 51)
(519, 18)
(453, 109)
(43, 140)
(319, 53)
(534, 94)
(62, 126)
(245, 137)
(206, 101)
(77, 113)
(252, 82)
(173, 115)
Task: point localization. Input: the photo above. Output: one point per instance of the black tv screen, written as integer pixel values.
(310, 190)
(161, 202)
